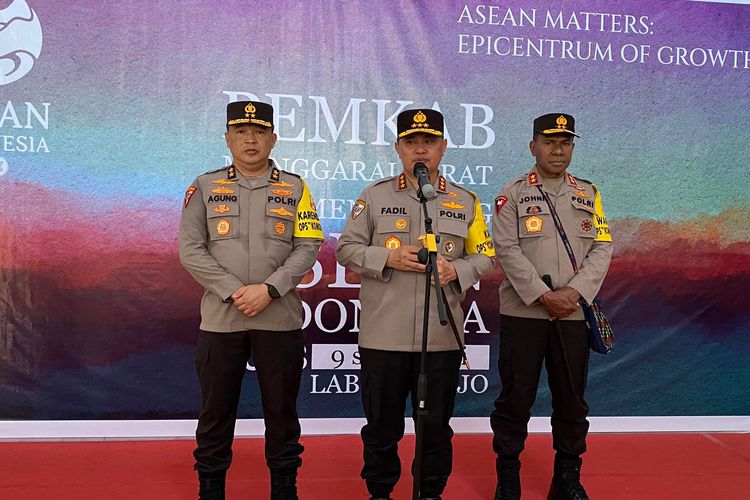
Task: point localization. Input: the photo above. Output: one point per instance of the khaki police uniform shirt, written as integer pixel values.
(528, 245)
(234, 234)
(388, 215)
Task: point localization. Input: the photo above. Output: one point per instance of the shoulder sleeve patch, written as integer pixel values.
(188, 195)
(306, 221)
(600, 220)
(478, 239)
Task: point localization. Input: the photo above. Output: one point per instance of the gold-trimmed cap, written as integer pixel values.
(555, 123)
(423, 121)
(250, 113)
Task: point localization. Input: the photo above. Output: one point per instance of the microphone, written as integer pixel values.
(426, 189)
(547, 281)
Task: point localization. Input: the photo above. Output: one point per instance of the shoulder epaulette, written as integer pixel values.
(291, 173)
(461, 187)
(214, 171)
(582, 180)
(384, 179)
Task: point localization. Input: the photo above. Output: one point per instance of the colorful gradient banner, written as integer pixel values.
(110, 110)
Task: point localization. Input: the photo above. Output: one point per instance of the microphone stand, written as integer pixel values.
(430, 273)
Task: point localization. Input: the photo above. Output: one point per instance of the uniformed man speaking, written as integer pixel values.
(248, 234)
(380, 242)
(540, 325)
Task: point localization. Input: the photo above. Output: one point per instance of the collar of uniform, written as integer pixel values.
(272, 175)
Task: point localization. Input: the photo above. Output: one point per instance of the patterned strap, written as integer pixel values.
(560, 229)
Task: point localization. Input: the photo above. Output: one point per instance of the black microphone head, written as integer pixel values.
(419, 166)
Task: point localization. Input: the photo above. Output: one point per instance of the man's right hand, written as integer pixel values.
(404, 258)
(560, 303)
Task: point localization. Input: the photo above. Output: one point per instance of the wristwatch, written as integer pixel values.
(272, 291)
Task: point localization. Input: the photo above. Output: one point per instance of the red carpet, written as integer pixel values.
(647, 466)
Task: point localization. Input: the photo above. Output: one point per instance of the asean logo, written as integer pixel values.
(20, 41)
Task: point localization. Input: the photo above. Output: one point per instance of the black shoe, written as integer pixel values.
(211, 485)
(566, 481)
(284, 484)
(508, 479)
(431, 498)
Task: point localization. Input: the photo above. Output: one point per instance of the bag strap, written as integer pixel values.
(560, 229)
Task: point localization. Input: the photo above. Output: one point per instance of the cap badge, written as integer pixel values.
(250, 110)
(562, 122)
(420, 120)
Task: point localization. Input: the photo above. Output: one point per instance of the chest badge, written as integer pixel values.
(533, 209)
(222, 209)
(223, 227)
(282, 192)
(392, 243)
(451, 204)
(586, 225)
(223, 182)
(279, 228)
(282, 184)
(281, 211)
(449, 247)
(533, 224)
(222, 190)
(401, 224)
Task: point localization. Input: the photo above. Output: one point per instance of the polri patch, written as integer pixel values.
(500, 202)
(357, 209)
(188, 194)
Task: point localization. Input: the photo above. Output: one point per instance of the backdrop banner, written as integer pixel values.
(109, 110)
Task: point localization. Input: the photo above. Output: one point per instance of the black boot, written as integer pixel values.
(212, 485)
(284, 484)
(566, 482)
(508, 479)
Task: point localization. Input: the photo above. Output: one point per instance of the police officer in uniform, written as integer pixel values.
(248, 234)
(380, 242)
(529, 247)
